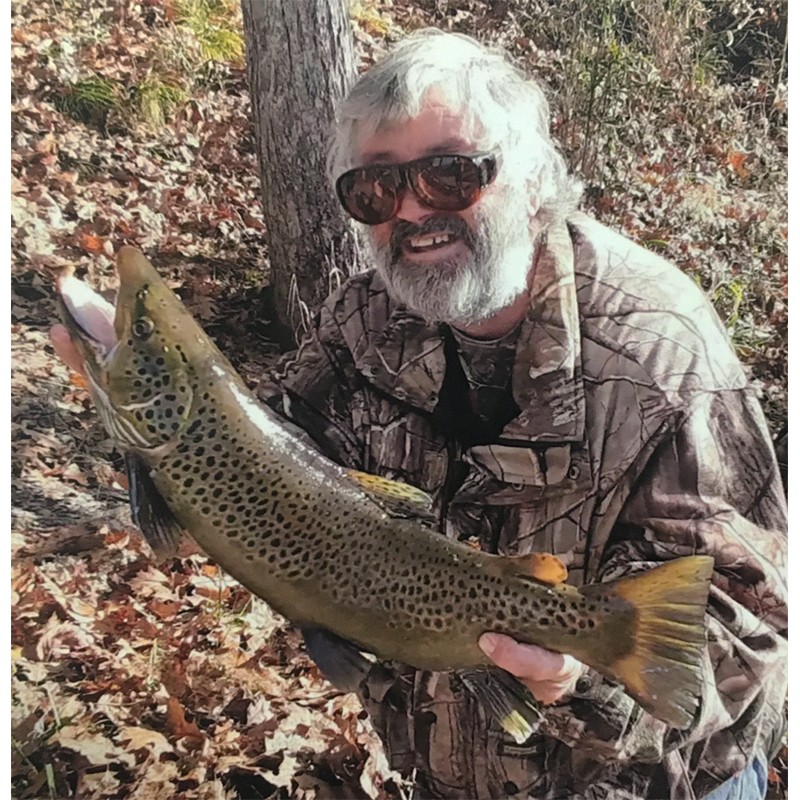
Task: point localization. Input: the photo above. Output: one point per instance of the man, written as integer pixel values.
(554, 387)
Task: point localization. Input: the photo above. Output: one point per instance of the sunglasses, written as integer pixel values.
(372, 194)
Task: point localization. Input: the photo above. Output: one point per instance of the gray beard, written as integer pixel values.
(470, 288)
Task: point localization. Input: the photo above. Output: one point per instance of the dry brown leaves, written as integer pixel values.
(132, 679)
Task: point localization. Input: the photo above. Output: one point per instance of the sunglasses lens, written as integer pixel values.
(368, 195)
(448, 183)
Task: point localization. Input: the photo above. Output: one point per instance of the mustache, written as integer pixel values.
(441, 223)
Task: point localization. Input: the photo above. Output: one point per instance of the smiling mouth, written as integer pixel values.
(428, 242)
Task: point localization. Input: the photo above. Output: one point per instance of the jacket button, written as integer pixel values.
(583, 684)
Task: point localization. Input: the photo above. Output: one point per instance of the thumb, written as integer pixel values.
(522, 660)
(65, 349)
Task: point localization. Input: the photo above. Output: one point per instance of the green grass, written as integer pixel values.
(90, 100)
(157, 101)
(213, 23)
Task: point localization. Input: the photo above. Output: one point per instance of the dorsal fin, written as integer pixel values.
(542, 567)
(395, 498)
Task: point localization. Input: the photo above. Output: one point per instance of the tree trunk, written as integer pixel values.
(300, 61)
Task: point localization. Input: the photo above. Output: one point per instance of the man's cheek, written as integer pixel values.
(381, 235)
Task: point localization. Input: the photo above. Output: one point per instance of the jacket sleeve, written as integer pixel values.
(710, 487)
(318, 389)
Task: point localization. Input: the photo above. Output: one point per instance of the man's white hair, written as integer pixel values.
(505, 111)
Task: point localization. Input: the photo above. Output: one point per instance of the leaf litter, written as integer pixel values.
(136, 679)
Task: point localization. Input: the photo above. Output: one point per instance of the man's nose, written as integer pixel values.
(411, 208)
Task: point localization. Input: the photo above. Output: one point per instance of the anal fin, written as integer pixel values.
(149, 510)
(509, 701)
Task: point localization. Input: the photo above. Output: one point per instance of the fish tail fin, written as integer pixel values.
(663, 669)
(507, 699)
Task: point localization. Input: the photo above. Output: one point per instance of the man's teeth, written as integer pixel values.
(432, 240)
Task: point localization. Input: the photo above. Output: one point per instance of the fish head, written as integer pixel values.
(137, 355)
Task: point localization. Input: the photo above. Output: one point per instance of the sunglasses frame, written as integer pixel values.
(399, 176)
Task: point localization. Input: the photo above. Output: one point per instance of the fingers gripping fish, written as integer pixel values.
(339, 550)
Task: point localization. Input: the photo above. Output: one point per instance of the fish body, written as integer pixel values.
(339, 550)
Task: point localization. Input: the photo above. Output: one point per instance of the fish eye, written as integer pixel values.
(142, 327)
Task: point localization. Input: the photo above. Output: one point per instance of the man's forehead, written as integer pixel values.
(436, 129)
(452, 144)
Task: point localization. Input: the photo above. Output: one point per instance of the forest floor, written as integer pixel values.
(130, 124)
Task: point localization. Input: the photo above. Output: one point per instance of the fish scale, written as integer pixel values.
(349, 553)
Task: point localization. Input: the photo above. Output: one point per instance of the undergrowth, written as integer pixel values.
(674, 113)
(197, 38)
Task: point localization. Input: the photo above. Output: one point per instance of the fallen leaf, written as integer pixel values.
(136, 738)
(72, 472)
(165, 609)
(736, 160)
(91, 243)
(178, 725)
(95, 747)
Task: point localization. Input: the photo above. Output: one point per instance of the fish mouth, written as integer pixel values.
(97, 331)
(89, 318)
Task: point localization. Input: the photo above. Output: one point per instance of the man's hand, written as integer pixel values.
(64, 348)
(548, 675)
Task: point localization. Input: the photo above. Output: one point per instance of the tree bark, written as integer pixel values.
(300, 61)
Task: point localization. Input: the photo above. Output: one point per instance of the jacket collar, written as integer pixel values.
(406, 359)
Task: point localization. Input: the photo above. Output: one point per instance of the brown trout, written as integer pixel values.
(334, 549)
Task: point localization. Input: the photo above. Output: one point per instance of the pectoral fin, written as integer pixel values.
(396, 498)
(149, 510)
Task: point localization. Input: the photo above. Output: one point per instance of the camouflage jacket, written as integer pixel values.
(636, 440)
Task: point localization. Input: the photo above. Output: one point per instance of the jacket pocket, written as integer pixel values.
(386, 697)
(516, 769)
